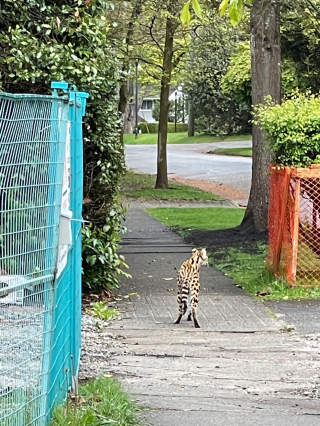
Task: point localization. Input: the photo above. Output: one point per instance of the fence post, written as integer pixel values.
(58, 120)
(295, 234)
(77, 111)
(282, 219)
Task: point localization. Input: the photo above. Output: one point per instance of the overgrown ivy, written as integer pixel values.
(43, 41)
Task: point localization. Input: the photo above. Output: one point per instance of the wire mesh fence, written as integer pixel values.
(33, 136)
(294, 224)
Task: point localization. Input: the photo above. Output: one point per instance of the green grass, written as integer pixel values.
(248, 270)
(101, 402)
(239, 257)
(179, 138)
(206, 218)
(242, 152)
(141, 186)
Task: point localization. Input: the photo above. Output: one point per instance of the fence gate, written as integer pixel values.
(41, 175)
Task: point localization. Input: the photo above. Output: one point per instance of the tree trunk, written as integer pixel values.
(266, 80)
(128, 115)
(123, 92)
(191, 119)
(162, 174)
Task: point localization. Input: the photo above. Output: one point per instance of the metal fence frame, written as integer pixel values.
(58, 302)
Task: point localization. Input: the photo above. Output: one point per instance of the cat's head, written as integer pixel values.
(202, 255)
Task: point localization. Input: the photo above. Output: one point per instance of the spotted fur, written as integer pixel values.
(189, 285)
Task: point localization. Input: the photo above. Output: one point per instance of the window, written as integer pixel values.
(147, 104)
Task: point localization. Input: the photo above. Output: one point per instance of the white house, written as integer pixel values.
(148, 103)
(145, 112)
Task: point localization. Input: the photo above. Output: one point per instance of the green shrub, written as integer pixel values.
(148, 127)
(293, 129)
(101, 265)
(153, 127)
(56, 44)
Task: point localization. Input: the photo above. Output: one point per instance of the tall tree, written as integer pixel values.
(167, 67)
(266, 80)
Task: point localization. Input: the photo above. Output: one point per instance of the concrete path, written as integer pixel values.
(191, 161)
(240, 368)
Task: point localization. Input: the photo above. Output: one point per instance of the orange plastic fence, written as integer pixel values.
(294, 224)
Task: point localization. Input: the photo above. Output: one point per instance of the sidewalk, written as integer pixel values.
(238, 369)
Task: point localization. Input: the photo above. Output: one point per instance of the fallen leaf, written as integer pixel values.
(262, 293)
(133, 294)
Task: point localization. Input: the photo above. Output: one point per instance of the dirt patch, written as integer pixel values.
(226, 191)
(226, 238)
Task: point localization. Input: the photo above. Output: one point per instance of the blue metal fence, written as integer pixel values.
(41, 178)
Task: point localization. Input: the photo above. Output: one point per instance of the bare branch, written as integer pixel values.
(151, 33)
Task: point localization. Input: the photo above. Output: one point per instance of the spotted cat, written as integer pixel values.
(188, 282)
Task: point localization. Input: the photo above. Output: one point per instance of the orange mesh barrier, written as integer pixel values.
(294, 224)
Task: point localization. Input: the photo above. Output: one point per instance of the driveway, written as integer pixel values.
(192, 161)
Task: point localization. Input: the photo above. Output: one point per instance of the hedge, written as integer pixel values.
(293, 129)
(153, 127)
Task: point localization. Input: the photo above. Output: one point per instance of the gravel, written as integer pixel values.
(97, 346)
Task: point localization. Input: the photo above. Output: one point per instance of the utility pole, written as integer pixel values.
(136, 128)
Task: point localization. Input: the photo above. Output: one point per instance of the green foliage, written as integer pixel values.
(100, 262)
(237, 80)
(293, 129)
(43, 41)
(300, 42)
(216, 112)
(234, 9)
(153, 127)
(102, 310)
(101, 402)
(181, 111)
(185, 15)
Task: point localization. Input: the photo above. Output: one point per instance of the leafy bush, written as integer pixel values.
(237, 80)
(56, 42)
(293, 129)
(100, 262)
(153, 127)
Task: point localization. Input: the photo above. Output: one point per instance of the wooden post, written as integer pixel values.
(295, 235)
(277, 252)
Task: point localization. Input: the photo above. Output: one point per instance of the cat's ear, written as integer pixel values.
(203, 253)
(194, 250)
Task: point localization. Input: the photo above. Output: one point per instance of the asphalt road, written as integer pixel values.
(191, 161)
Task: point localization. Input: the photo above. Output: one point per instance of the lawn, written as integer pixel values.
(206, 218)
(180, 138)
(141, 186)
(242, 152)
(238, 255)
